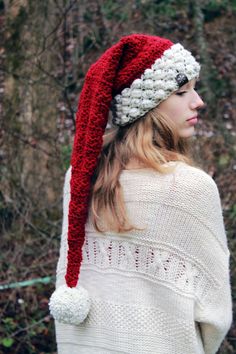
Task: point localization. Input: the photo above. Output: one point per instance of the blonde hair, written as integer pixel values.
(151, 141)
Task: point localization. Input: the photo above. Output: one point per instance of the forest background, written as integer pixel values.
(46, 48)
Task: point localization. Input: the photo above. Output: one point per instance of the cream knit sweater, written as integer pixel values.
(163, 290)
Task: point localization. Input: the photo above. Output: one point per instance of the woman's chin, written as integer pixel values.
(187, 133)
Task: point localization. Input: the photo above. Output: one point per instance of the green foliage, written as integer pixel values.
(232, 214)
(166, 8)
(6, 213)
(7, 342)
(65, 156)
(39, 6)
(13, 45)
(233, 4)
(219, 85)
(223, 160)
(28, 326)
(114, 10)
(9, 324)
(90, 41)
(2, 5)
(214, 8)
(88, 16)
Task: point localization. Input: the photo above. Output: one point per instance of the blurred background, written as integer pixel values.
(46, 48)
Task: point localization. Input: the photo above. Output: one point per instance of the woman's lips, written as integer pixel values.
(192, 121)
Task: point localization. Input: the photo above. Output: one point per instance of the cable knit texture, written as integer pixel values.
(163, 290)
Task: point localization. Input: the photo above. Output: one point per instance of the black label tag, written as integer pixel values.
(181, 79)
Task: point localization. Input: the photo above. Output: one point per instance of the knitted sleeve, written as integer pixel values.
(213, 311)
(215, 316)
(61, 265)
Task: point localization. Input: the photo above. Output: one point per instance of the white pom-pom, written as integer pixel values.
(70, 305)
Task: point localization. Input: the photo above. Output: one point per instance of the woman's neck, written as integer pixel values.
(133, 164)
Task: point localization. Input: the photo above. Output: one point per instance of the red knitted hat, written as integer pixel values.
(133, 76)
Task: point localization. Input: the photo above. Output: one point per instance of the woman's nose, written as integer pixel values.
(197, 102)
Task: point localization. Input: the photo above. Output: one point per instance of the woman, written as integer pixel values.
(143, 232)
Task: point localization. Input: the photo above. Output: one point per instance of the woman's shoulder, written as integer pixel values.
(147, 178)
(186, 175)
(194, 179)
(196, 192)
(182, 185)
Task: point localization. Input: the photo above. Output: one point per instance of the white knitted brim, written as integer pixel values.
(155, 85)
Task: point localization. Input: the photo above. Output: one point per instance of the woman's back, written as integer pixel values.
(152, 289)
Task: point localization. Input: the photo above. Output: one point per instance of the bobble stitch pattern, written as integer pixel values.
(155, 85)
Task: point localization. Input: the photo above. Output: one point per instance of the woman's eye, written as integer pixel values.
(181, 93)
